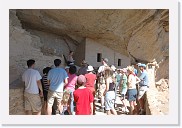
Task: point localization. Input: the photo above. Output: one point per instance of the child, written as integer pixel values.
(65, 103)
(45, 87)
(83, 98)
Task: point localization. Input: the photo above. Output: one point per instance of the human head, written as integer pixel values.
(57, 62)
(84, 63)
(104, 60)
(67, 69)
(66, 96)
(81, 80)
(142, 67)
(71, 53)
(130, 69)
(90, 68)
(108, 72)
(30, 63)
(72, 69)
(124, 71)
(46, 70)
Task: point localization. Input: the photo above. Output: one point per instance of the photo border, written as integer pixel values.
(174, 109)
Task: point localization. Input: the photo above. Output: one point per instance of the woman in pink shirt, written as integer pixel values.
(90, 82)
(71, 85)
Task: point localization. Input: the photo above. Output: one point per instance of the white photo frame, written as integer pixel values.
(171, 119)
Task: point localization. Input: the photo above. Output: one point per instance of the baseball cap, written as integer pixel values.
(142, 65)
(81, 79)
(105, 59)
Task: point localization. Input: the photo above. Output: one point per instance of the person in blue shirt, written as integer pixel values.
(57, 79)
(143, 87)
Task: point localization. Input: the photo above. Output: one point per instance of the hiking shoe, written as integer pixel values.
(101, 110)
(141, 112)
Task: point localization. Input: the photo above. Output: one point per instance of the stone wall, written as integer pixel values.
(92, 48)
(40, 46)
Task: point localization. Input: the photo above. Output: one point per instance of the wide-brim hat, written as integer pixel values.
(90, 68)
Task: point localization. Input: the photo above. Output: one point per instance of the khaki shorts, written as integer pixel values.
(102, 88)
(32, 102)
(52, 95)
(141, 91)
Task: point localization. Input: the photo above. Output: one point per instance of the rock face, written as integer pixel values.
(141, 34)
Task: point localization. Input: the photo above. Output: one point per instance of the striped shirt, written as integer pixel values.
(45, 83)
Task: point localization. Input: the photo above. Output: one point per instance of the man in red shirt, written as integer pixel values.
(83, 98)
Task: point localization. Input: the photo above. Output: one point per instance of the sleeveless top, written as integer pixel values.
(111, 86)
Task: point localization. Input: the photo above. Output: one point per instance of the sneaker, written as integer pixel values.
(101, 110)
(141, 112)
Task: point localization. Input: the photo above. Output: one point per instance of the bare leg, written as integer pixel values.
(131, 107)
(108, 112)
(37, 113)
(114, 111)
(49, 110)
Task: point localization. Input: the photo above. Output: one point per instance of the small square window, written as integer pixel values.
(119, 62)
(99, 57)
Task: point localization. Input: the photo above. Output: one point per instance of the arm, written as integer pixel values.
(91, 108)
(137, 80)
(65, 81)
(40, 87)
(107, 86)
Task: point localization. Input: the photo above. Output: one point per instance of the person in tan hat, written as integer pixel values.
(90, 82)
(132, 91)
(83, 69)
(83, 98)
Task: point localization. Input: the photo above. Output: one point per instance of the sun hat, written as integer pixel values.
(81, 79)
(67, 67)
(124, 70)
(130, 68)
(90, 68)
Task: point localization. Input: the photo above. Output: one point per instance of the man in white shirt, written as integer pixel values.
(32, 97)
(101, 82)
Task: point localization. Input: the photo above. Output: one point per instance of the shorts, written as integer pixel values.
(109, 100)
(102, 88)
(32, 102)
(141, 91)
(52, 95)
(132, 94)
(123, 92)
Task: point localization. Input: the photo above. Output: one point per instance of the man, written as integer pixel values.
(143, 87)
(83, 69)
(32, 81)
(58, 78)
(101, 82)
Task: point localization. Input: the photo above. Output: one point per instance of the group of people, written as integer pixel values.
(74, 91)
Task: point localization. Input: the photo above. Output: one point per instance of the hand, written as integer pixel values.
(41, 94)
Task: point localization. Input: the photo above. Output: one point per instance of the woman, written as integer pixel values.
(131, 86)
(123, 89)
(70, 58)
(90, 82)
(109, 92)
(71, 85)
